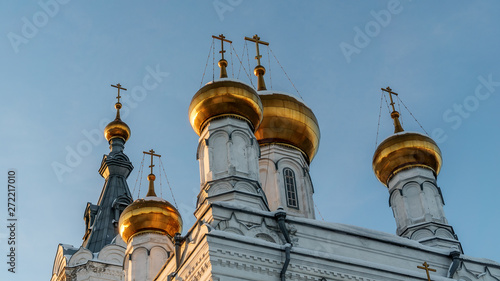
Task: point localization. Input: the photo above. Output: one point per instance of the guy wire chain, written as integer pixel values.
(401, 116)
(138, 172)
(232, 68)
(413, 116)
(161, 187)
(213, 61)
(168, 183)
(319, 213)
(140, 182)
(206, 64)
(379, 115)
(285, 72)
(241, 65)
(269, 64)
(248, 58)
(387, 103)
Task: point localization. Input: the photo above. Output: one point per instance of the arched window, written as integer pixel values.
(290, 188)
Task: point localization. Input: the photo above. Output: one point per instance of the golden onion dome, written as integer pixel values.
(289, 121)
(117, 128)
(149, 215)
(405, 150)
(225, 97)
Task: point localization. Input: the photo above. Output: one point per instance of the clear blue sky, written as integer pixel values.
(58, 61)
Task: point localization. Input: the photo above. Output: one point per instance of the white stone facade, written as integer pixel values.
(145, 255)
(228, 154)
(275, 158)
(417, 204)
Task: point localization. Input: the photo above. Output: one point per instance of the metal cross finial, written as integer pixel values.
(427, 269)
(394, 115)
(119, 87)
(257, 41)
(152, 153)
(222, 39)
(389, 90)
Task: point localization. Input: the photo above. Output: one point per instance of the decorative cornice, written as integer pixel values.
(266, 269)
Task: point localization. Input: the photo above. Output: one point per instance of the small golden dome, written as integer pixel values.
(151, 214)
(117, 128)
(405, 150)
(225, 98)
(288, 120)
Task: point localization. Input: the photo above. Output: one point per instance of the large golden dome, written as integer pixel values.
(405, 150)
(117, 128)
(225, 98)
(288, 120)
(151, 214)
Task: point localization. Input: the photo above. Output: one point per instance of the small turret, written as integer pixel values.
(408, 164)
(149, 223)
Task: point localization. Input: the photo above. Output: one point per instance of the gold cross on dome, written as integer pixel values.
(222, 39)
(389, 90)
(257, 41)
(152, 153)
(119, 87)
(427, 269)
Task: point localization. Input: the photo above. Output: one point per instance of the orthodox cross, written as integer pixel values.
(427, 269)
(152, 153)
(389, 90)
(257, 41)
(119, 87)
(222, 39)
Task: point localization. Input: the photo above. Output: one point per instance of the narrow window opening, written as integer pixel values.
(290, 188)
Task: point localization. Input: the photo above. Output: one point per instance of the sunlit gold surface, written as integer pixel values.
(225, 97)
(287, 120)
(149, 216)
(405, 150)
(117, 128)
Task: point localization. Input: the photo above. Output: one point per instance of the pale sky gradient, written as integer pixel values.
(58, 63)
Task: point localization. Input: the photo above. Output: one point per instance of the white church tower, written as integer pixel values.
(289, 139)
(408, 164)
(148, 226)
(225, 114)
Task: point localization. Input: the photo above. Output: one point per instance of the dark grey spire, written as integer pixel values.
(101, 220)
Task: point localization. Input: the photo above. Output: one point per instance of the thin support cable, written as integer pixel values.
(168, 183)
(161, 187)
(387, 103)
(413, 116)
(241, 65)
(140, 182)
(401, 116)
(138, 176)
(213, 61)
(379, 116)
(285, 73)
(319, 213)
(206, 64)
(269, 64)
(248, 59)
(232, 68)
